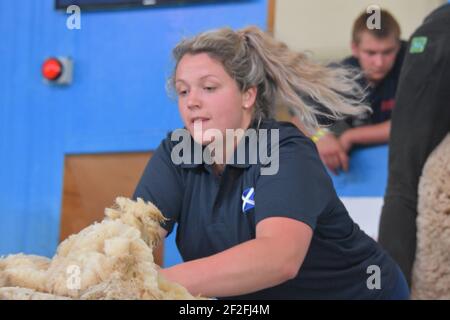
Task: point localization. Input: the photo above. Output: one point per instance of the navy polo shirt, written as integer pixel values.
(215, 213)
(380, 98)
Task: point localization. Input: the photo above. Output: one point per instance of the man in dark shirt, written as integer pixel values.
(378, 54)
(420, 122)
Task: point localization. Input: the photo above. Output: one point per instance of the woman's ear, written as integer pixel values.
(249, 97)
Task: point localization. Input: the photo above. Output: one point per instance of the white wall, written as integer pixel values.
(366, 212)
(324, 26)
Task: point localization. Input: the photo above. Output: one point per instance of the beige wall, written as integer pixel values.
(324, 26)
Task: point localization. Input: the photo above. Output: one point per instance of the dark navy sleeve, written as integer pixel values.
(301, 189)
(161, 184)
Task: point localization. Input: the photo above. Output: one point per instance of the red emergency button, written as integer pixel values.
(52, 69)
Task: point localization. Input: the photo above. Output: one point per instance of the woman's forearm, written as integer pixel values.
(248, 267)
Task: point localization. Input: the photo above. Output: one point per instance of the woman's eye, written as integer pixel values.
(210, 88)
(182, 92)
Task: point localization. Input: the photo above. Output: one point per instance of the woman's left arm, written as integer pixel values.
(273, 257)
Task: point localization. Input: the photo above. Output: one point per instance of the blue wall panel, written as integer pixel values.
(117, 102)
(367, 175)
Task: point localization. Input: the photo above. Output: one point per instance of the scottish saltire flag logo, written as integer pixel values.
(248, 199)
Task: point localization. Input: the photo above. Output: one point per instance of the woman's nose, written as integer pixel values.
(193, 100)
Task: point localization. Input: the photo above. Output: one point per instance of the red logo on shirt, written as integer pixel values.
(387, 105)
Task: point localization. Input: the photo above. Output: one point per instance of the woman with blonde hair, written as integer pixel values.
(244, 232)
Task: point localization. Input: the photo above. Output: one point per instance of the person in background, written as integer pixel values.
(378, 55)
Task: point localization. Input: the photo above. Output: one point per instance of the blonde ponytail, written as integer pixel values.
(254, 58)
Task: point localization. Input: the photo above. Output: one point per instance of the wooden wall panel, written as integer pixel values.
(92, 182)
